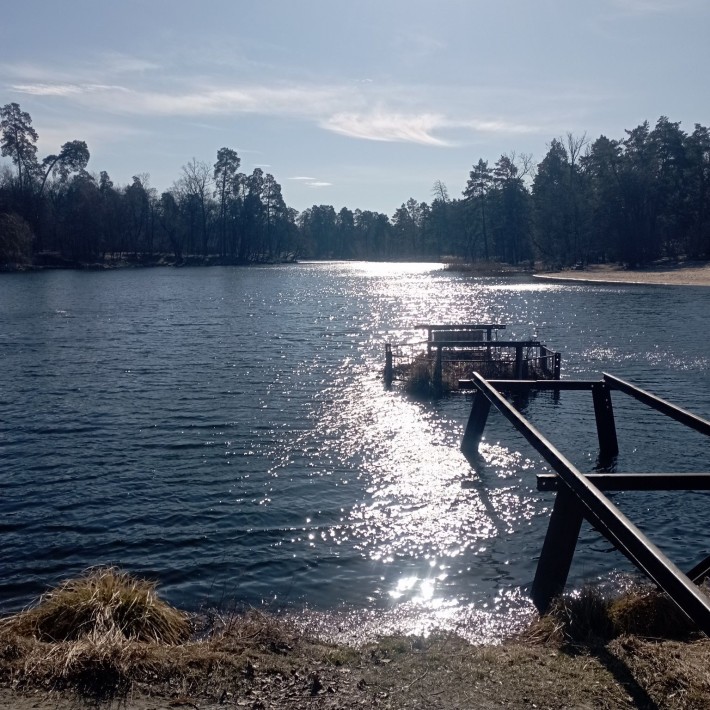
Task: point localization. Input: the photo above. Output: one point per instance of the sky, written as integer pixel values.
(356, 103)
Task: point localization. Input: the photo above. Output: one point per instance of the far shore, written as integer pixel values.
(690, 273)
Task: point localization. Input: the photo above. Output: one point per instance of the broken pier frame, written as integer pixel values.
(581, 496)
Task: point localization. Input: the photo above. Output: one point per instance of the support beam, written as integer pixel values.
(558, 366)
(438, 373)
(557, 550)
(608, 519)
(633, 481)
(527, 385)
(700, 572)
(389, 370)
(476, 424)
(606, 427)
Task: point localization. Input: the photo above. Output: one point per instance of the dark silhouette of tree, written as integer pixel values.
(73, 157)
(195, 184)
(697, 181)
(225, 179)
(511, 205)
(644, 196)
(478, 187)
(17, 141)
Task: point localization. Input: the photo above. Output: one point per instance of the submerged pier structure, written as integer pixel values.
(581, 496)
(453, 352)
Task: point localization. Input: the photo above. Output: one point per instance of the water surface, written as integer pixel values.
(226, 431)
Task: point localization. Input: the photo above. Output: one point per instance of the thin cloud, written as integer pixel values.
(392, 127)
(125, 64)
(319, 183)
(401, 114)
(41, 89)
(483, 126)
(301, 177)
(653, 7)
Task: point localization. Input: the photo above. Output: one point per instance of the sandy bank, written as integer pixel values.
(684, 274)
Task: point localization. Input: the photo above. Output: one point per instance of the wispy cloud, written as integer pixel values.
(310, 181)
(58, 89)
(127, 64)
(483, 126)
(655, 7)
(373, 112)
(383, 126)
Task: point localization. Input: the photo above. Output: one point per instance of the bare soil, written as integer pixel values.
(289, 671)
(686, 273)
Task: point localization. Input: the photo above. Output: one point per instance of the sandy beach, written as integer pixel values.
(696, 273)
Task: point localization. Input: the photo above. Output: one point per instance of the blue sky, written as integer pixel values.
(351, 103)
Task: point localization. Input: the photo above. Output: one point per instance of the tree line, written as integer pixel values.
(631, 200)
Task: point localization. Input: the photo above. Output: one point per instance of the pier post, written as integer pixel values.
(389, 372)
(476, 423)
(558, 366)
(604, 414)
(558, 549)
(518, 362)
(438, 373)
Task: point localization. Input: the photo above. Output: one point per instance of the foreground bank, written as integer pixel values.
(108, 638)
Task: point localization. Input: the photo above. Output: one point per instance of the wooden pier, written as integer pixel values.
(581, 497)
(454, 352)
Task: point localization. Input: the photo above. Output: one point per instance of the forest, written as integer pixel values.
(631, 200)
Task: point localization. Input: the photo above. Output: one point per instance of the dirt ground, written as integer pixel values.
(437, 673)
(682, 274)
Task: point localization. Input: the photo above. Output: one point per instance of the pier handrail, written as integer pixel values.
(485, 344)
(580, 493)
(462, 326)
(671, 410)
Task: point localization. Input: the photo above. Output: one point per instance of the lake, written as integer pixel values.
(226, 432)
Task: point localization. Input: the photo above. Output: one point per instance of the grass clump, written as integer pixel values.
(104, 603)
(590, 617)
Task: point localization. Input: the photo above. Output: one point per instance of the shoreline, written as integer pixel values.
(695, 273)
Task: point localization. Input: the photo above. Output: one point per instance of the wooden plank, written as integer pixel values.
(671, 410)
(608, 519)
(634, 481)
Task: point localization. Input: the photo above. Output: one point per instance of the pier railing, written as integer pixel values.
(580, 496)
(474, 347)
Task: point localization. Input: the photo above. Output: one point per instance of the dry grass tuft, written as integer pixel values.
(576, 618)
(590, 617)
(647, 612)
(104, 606)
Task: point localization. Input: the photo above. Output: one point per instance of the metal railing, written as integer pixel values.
(580, 496)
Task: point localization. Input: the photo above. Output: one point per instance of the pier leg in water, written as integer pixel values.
(606, 428)
(476, 424)
(438, 374)
(557, 550)
(388, 365)
(558, 366)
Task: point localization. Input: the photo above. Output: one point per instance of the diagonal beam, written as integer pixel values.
(608, 519)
